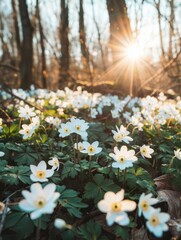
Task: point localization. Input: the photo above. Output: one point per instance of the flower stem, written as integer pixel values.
(171, 161)
(124, 178)
(90, 158)
(38, 229)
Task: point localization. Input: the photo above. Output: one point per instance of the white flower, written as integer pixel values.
(59, 223)
(40, 200)
(121, 135)
(40, 172)
(79, 146)
(56, 122)
(116, 208)
(123, 158)
(26, 112)
(54, 163)
(79, 126)
(178, 153)
(27, 131)
(145, 204)
(146, 151)
(91, 149)
(65, 129)
(93, 113)
(156, 223)
(2, 154)
(35, 122)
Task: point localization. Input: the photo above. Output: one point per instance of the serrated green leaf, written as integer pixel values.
(90, 230)
(97, 189)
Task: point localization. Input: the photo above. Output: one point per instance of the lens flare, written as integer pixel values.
(134, 52)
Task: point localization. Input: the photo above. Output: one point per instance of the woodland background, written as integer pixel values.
(57, 43)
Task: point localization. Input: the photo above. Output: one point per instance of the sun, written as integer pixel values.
(134, 52)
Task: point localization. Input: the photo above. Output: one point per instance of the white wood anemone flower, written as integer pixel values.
(145, 204)
(26, 112)
(123, 158)
(146, 151)
(121, 135)
(54, 163)
(27, 131)
(79, 126)
(115, 208)
(40, 200)
(91, 148)
(40, 172)
(156, 223)
(178, 153)
(65, 129)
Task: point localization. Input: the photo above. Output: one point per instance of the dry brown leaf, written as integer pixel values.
(173, 200)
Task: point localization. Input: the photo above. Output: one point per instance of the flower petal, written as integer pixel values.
(128, 205)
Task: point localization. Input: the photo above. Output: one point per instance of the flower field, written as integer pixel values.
(77, 165)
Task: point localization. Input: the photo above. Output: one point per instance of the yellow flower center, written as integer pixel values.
(66, 130)
(116, 207)
(154, 221)
(27, 131)
(40, 174)
(55, 162)
(40, 202)
(119, 136)
(144, 205)
(91, 149)
(144, 151)
(121, 159)
(80, 148)
(77, 127)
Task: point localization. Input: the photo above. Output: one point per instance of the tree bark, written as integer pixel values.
(64, 41)
(27, 46)
(16, 29)
(126, 75)
(42, 44)
(171, 31)
(83, 45)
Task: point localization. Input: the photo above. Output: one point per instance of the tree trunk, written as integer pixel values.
(16, 29)
(82, 39)
(171, 31)
(157, 4)
(43, 58)
(126, 78)
(27, 46)
(64, 41)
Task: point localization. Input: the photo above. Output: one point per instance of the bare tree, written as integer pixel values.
(64, 41)
(83, 45)
(42, 44)
(27, 46)
(16, 29)
(171, 30)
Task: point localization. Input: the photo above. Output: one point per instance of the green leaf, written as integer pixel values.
(95, 190)
(70, 201)
(27, 157)
(42, 222)
(70, 170)
(122, 232)
(13, 147)
(90, 230)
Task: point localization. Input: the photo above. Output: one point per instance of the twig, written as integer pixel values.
(3, 217)
(9, 91)
(160, 71)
